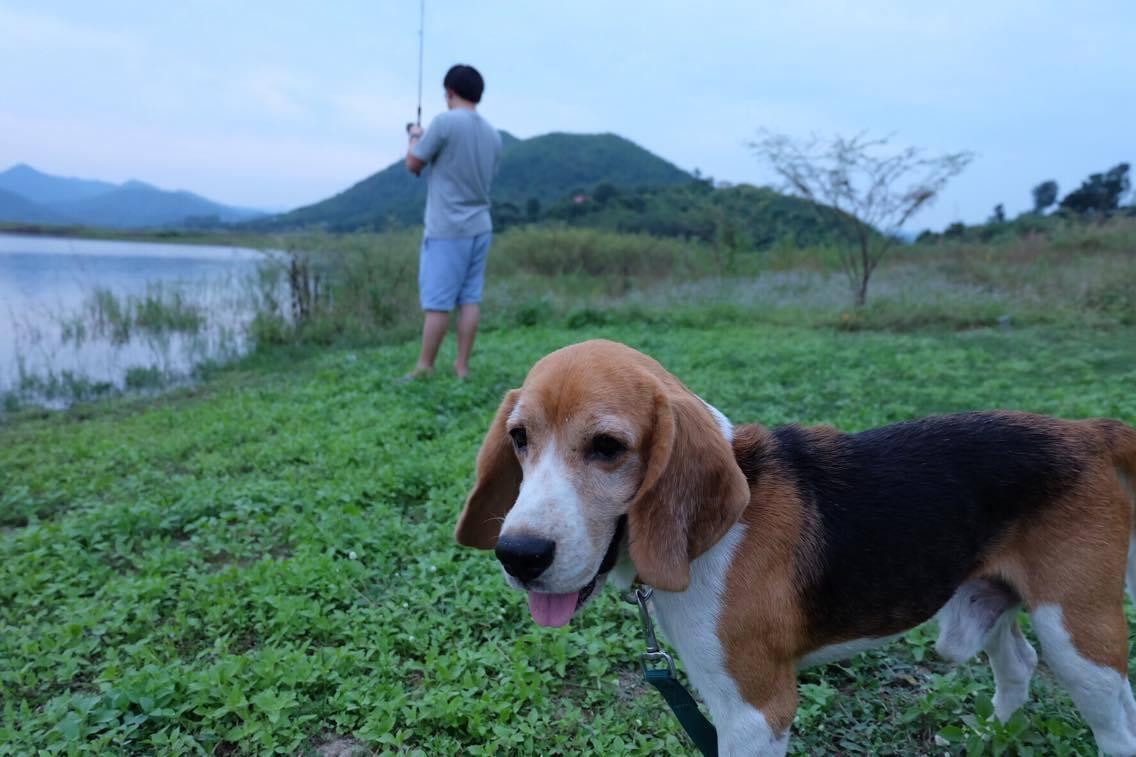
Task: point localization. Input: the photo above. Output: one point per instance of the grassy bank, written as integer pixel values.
(264, 562)
(361, 289)
(1075, 274)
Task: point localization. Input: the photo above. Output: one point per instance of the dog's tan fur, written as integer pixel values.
(691, 486)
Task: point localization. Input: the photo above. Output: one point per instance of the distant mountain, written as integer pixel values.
(16, 208)
(134, 204)
(138, 205)
(45, 189)
(544, 168)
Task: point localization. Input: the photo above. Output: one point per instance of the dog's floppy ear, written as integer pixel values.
(498, 483)
(691, 494)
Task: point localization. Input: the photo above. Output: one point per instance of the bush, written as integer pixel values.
(565, 251)
(354, 287)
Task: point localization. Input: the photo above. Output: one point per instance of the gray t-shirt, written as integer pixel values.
(462, 150)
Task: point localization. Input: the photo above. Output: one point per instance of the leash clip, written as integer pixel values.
(700, 730)
(653, 657)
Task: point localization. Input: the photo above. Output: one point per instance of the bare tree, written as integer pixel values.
(862, 185)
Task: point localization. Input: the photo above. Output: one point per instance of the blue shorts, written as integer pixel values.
(452, 271)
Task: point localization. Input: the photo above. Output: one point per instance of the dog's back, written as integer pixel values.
(907, 512)
(967, 515)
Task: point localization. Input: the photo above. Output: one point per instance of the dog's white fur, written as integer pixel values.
(553, 503)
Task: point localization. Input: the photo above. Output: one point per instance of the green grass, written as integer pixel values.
(264, 562)
(159, 311)
(365, 285)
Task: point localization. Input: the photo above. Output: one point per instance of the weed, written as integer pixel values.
(144, 378)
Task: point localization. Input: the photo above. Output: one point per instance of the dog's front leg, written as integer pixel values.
(754, 718)
(749, 688)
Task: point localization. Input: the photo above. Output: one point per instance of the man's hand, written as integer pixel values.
(414, 132)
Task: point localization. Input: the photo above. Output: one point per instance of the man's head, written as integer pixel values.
(465, 83)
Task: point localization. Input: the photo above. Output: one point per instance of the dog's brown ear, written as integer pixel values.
(691, 494)
(498, 483)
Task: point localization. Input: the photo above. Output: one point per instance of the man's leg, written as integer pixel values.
(468, 316)
(440, 274)
(469, 301)
(434, 329)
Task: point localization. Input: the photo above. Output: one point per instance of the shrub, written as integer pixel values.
(564, 251)
(339, 287)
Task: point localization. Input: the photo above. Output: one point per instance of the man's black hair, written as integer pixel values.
(465, 82)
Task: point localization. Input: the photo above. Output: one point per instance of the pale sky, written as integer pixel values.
(280, 104)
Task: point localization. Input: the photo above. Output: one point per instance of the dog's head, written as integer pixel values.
(600, 454)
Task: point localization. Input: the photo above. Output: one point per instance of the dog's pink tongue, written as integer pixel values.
(552, 610)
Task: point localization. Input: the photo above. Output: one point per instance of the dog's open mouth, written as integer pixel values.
(554, 610)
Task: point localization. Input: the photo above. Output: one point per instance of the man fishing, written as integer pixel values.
(462, 150)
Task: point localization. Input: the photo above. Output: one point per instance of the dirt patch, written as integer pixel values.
(631, 683)
(341, 746)
(281, 551)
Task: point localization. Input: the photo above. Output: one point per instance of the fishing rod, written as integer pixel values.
(421, 36)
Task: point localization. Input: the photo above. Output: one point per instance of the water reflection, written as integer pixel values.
(81, 317)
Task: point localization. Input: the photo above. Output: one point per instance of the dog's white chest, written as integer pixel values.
(689, 621)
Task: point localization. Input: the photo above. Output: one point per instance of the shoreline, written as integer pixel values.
(165, 236)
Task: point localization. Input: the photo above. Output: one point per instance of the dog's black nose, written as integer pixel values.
(525, 557)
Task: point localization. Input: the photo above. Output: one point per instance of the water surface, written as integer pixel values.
(47, 286)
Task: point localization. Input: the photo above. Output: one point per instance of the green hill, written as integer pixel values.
(741, 216)
(392, 197)
(551, 166)
(543, 168)
(586, 180)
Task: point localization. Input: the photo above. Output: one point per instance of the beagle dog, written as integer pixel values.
(772, 550)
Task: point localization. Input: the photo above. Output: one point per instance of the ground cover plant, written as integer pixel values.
(264, 562)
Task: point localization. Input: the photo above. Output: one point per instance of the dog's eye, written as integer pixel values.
(520, 438)
(607, 448)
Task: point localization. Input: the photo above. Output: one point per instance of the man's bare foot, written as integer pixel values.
(461, 371)
(417, 374)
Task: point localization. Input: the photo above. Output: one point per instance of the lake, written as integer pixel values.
(94, 312)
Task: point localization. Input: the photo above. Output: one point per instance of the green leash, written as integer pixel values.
(682, 704)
